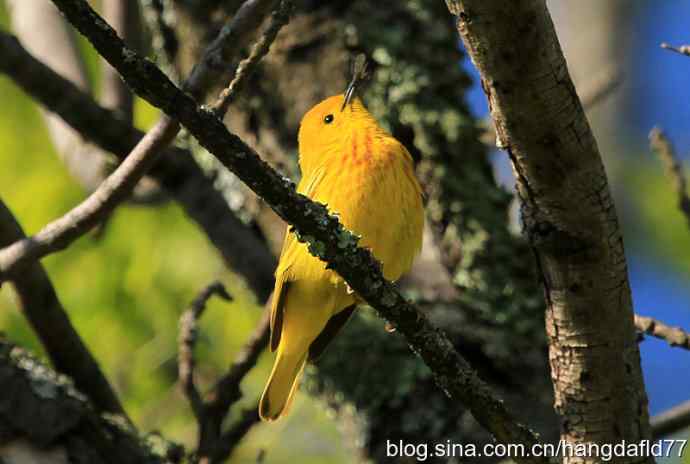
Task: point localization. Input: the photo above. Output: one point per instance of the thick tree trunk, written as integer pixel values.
(569, 218)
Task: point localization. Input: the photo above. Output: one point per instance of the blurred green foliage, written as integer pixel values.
(125, 287)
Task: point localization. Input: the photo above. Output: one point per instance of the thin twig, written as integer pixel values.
(60, 233)
(671, 421)
(279, 18)
(48, 318)
(237, 33)
(662, 146)
(327, 238)
(675, 336)
(187, 340)
(682, 49)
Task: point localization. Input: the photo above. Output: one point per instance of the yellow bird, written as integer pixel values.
(366, 176)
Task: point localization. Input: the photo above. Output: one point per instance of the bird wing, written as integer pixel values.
(307, 187)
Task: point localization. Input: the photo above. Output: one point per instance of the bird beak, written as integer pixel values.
(359, 75)
(350, 92)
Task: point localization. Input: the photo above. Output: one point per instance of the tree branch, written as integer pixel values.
(662, 146)
(187, 341)
(63, 231)
(279, 18)
(671, 421)
(177, 172)
(675, 336)
(327, 238)
(215, 62)
(43, 310)
(569, 218)
(683, 49)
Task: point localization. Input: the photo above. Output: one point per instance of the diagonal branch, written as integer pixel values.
(60, 233)
(671, 421)
(279, 18)
(662, 146)
(177, 171)
(50, 321)
(675, 336)
(326, 236)
(683, 49)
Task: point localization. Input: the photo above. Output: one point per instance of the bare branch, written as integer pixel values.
(279, 18)
(187, 341)
(671, 421)
(43, 310)
(683, 49)
(59, 234)
(177, 171)
(216, 60)
(63, 231)
(326, 236)
(662, 146)
(675, 336)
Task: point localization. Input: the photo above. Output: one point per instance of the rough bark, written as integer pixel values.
(569, 218)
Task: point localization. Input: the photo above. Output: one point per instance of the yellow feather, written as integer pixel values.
(365, 175)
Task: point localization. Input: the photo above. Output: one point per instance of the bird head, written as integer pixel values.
(328, 126)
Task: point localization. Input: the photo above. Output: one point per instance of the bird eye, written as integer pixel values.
(328, 119)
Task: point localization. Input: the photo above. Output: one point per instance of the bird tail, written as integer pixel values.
(282, 384)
